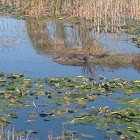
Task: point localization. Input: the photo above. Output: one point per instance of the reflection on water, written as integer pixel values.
(60, 34)
(116, 44)
(25, 45)
(48, 36)
(64, 33)
(12, 32)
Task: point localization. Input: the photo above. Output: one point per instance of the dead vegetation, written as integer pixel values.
(111, 14)
(136, 61)
(113, 61)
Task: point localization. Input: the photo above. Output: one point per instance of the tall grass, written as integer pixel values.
(110, 14)
(88, 9)
(7, 134)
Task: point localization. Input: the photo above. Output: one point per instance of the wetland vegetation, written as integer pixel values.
(67, 98)
(45, 45)
(103, 15)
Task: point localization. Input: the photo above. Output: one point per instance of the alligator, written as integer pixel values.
(83, 57)
(86, 57)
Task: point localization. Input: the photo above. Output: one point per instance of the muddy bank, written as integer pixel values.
(114, 61)
(77, 59)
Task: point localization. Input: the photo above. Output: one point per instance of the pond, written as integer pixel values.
(27, 47)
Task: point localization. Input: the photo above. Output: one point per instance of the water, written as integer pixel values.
(26, 46)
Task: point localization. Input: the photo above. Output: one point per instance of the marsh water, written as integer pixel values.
(26, 46)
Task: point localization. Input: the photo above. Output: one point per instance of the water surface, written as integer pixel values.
(25, 46)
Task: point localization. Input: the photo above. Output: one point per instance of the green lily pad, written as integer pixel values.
(2, 109)
(32, 114)
(70, 133)
(81, 102)
(60, 101)
(102, 126)
(16, 105)
(87, 136)
(83, 120)
(2, 74)
(20, 133)
(2, 79)
(111, 134)
(14, 114)
(91, 97)
(14, 75)
(129, 101)
(10, 87)
(5, 119)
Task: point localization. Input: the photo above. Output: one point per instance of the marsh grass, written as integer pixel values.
(136, 61)
(111, 15)
(7, 134)
(113, 61)
(93, 49)
(63, 137)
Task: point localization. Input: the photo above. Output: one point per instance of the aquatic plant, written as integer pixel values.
(111, 15)
(69, 99)
(137, 41)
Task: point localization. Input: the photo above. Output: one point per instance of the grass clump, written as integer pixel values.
(114, 61)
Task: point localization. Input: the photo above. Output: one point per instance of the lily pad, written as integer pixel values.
(2, 79)
(81, 102)
(82, 120)
(102, 126)
(70, 133)
(32, 114)
(14, 75)
(87, 136)
(129, 101)
(2, 74)
(14, 114)
(10, 87)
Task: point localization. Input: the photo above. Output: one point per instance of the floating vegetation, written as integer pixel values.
(104, 15)
(103, 126)
(68, 98)
(137, 41)
(130, 102)
(87, 136)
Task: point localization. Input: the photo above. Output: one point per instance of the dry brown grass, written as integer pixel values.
(113, 61)
(7, 134)
(89, 9)
(136, 61)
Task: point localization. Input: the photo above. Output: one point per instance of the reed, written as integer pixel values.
(110, 14)
(7, 134)
(89, 9)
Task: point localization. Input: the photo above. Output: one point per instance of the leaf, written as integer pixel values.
(87, 136)
(102, 126)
